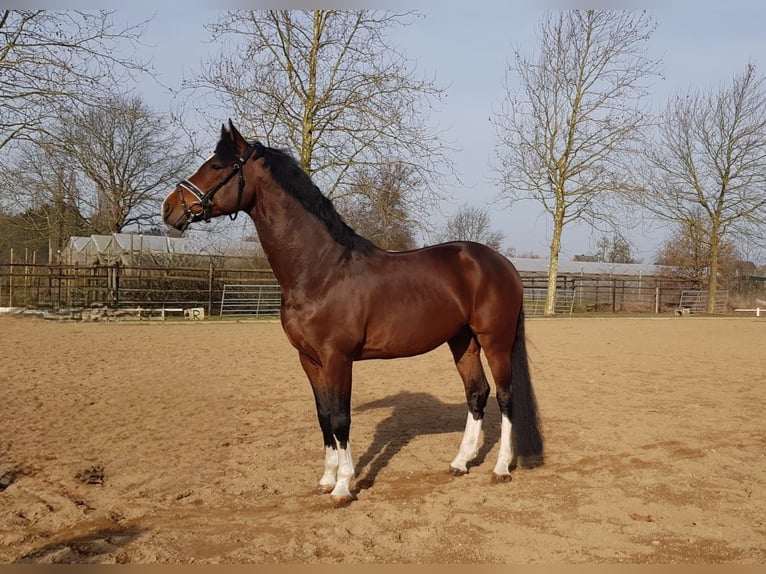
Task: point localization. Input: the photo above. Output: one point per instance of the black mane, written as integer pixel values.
(290, 176)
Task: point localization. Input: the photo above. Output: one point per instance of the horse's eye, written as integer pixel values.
(217, 167)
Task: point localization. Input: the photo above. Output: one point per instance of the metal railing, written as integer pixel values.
(695, 302)
(257, 300)
(534, 301)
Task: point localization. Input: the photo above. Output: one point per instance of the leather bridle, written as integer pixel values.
(200, 209)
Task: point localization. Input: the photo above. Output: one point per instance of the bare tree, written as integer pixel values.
(613, 249)
(128, 155)
(114, 159)
(46, 211)
(330, 85)
(575, 118)
(50, 60)
(381, 207)
(687, 251)
(471, 224)
(708, 168)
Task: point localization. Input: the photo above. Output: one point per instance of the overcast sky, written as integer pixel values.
(465, 47)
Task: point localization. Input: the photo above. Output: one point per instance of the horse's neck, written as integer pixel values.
(298, 246)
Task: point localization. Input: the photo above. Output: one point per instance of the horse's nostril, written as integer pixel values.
(165, 209)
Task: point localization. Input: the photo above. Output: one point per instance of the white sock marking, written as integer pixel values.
(329, 478)
(469, 446)
(346, 473)
(506, 450)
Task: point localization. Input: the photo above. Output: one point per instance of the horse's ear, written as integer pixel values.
(236, 137)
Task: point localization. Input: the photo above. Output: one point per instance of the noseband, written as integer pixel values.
(200, 209)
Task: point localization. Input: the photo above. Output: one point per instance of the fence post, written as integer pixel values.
(58, 286)
(10, 281)
(70, 279)
(26, 275)
(656, 300)
(210, 291)
(116, 283)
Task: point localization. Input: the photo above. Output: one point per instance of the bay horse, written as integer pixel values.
(344, 300)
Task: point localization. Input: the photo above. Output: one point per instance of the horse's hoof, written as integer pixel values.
(457, 471)
(324, 488)
(342, 500)
(500, 478)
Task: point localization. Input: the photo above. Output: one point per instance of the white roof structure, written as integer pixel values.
(108, 249)
(567, 267)
(128, 248)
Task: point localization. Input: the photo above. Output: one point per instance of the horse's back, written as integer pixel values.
(419, 299)
(472, 264)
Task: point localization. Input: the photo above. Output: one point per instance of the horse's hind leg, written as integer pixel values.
(466, 352)
(522, 441)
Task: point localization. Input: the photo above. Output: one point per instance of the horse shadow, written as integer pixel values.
(416, 414)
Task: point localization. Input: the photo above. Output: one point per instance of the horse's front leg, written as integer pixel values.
(331, 383)
(338, 471)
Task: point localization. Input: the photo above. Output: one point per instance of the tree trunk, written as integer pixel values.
(310, 97)
(712, 284)
(553, 266)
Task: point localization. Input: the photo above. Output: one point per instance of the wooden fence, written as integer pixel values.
(60, 286)
(616, 294)
(71, 286)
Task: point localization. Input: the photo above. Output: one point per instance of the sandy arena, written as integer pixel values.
(198, 442)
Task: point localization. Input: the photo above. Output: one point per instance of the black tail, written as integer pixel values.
(527, 436)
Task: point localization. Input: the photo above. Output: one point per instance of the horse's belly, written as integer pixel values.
(399, 334)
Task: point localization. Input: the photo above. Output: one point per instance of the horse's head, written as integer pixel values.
(217, 187)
